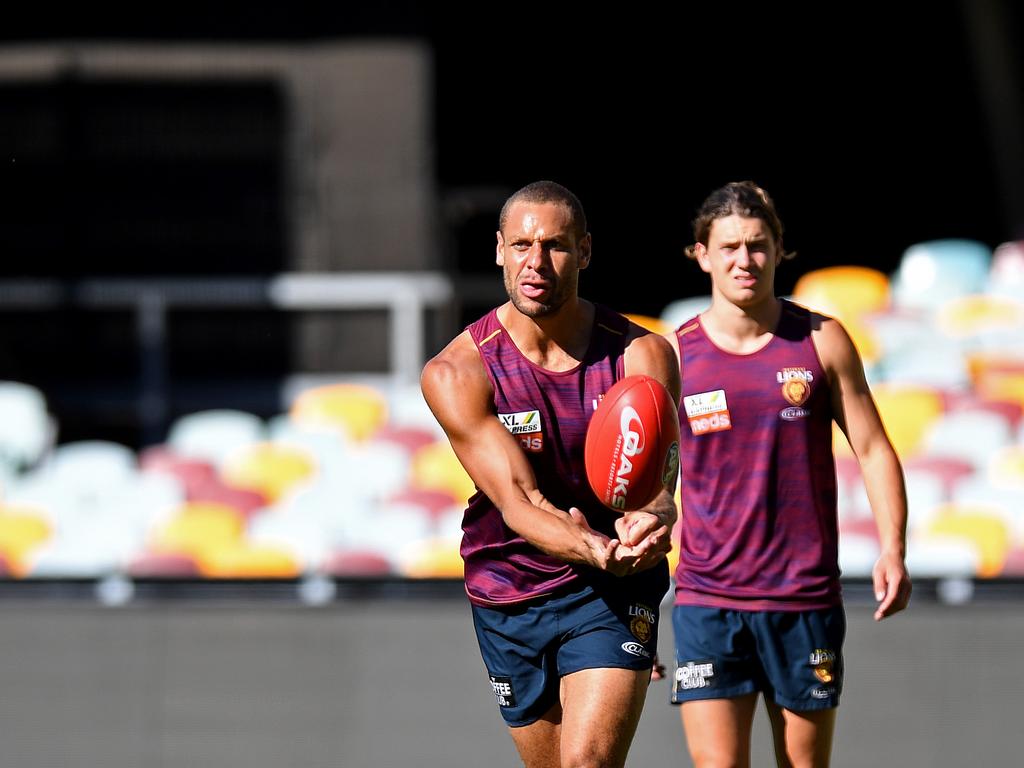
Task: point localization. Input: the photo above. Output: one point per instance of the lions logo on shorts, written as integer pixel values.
(821, 661)
(640, 622)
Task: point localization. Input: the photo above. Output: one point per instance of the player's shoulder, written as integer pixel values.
(458, 365)
(832, 342)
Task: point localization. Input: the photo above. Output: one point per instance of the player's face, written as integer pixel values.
(741, 255)
(541, 256)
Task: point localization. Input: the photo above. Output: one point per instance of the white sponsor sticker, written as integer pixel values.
(703, 403)
(522, 423)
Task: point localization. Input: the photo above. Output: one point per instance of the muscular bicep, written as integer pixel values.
(652, 355)
(458, 393)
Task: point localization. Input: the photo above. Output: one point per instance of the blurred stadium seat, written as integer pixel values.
(196, 527)
(22, 530)
(242, 559)
(1006, 274)
(213, 435)
(270, 469)
(982, 528)
(931, 273)
(348, 563)
(162, 565)
(983, 316)
(652, 324)
(972, 436)
(679, 311)
(844, 292)
(907, 413)
(354, 409)
(27, 431)
(191, 473)
(432, 559)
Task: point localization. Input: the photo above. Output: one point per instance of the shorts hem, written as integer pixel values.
(807, 706)
(708, 694)
(638, 666)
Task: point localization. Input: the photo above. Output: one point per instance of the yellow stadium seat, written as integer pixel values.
(1004, 386)
(652, 324)
(433, 559)
(436, 468)
(845, 292)
(986, 363)
(985, 529)
(907, 412)
(21, 531)
(197, 527)
(1006, 468)
(245, 560)
(966, 316)
(271, 469)
(355, 409)
(864, 339)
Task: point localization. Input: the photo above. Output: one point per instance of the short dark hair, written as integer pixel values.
(740, 198)
(547, 192)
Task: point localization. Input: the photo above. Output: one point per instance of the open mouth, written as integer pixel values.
(534, 290)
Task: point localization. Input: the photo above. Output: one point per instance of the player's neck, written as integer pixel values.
(557, 342)
(742, 329)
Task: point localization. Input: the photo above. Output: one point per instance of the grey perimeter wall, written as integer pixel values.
(399, 683)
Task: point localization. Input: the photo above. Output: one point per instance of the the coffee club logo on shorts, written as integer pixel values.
(503, 690)
(694, 674)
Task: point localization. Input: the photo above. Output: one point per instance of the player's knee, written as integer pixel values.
(717, 757)
(592, 756)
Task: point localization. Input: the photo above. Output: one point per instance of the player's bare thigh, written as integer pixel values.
(593, 724)
(718, 730)
(600, 712)
(539, 743)
(802, 739)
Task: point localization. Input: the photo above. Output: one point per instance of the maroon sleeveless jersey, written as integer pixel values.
(759, 528)
(548, 412)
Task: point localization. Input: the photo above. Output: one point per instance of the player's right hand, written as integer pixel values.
(651, 550)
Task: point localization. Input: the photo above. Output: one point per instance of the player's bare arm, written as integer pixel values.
(857, 415)
(651, 355)
(458, 392)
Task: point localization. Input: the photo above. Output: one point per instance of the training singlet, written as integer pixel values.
(548, 412)
(759, 528)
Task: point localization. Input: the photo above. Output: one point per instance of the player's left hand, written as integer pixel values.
(634, 527)
(892, 585)
(658, 670)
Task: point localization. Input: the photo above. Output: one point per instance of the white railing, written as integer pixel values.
(405, 296)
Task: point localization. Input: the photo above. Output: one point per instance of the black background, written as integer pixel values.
(865, 122)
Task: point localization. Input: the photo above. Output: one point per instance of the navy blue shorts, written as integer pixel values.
(794, 657)
(528, 648)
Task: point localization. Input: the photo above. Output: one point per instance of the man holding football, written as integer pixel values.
(564, 591)
(758, 609)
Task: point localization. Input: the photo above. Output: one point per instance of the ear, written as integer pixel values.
(499, 256)
(701, 252)
(586, 244)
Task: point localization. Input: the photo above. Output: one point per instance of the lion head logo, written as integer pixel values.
(796, 391)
